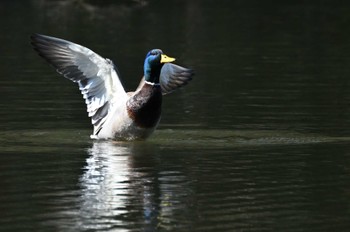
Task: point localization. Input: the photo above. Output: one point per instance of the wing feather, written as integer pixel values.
(97, 77)
(173, 76)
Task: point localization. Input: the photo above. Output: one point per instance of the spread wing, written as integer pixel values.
(96, 76)
(173, 76)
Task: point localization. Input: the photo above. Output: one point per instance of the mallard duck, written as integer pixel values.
(115, 114)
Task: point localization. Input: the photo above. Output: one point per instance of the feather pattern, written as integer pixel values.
(173, 76)
(96, 76)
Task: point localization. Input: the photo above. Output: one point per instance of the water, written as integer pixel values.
(259, 141)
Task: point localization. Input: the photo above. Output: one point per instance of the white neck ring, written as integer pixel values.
(152, 83)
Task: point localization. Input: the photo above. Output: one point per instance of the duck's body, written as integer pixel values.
(134, 117)
(115, 114)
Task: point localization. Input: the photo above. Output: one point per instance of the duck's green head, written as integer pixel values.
(154, 61)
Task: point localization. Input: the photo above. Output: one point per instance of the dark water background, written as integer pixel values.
(259, 141)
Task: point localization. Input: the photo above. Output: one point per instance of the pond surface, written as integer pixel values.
(258, 141)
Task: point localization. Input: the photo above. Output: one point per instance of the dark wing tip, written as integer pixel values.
(34, 36)
(56, 52)
(37, 39)
(44, 41)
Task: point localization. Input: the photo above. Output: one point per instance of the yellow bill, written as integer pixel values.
(166, 59)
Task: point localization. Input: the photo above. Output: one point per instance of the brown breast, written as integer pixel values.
(144, 107)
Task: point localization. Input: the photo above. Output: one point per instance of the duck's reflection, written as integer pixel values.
(119, 187)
